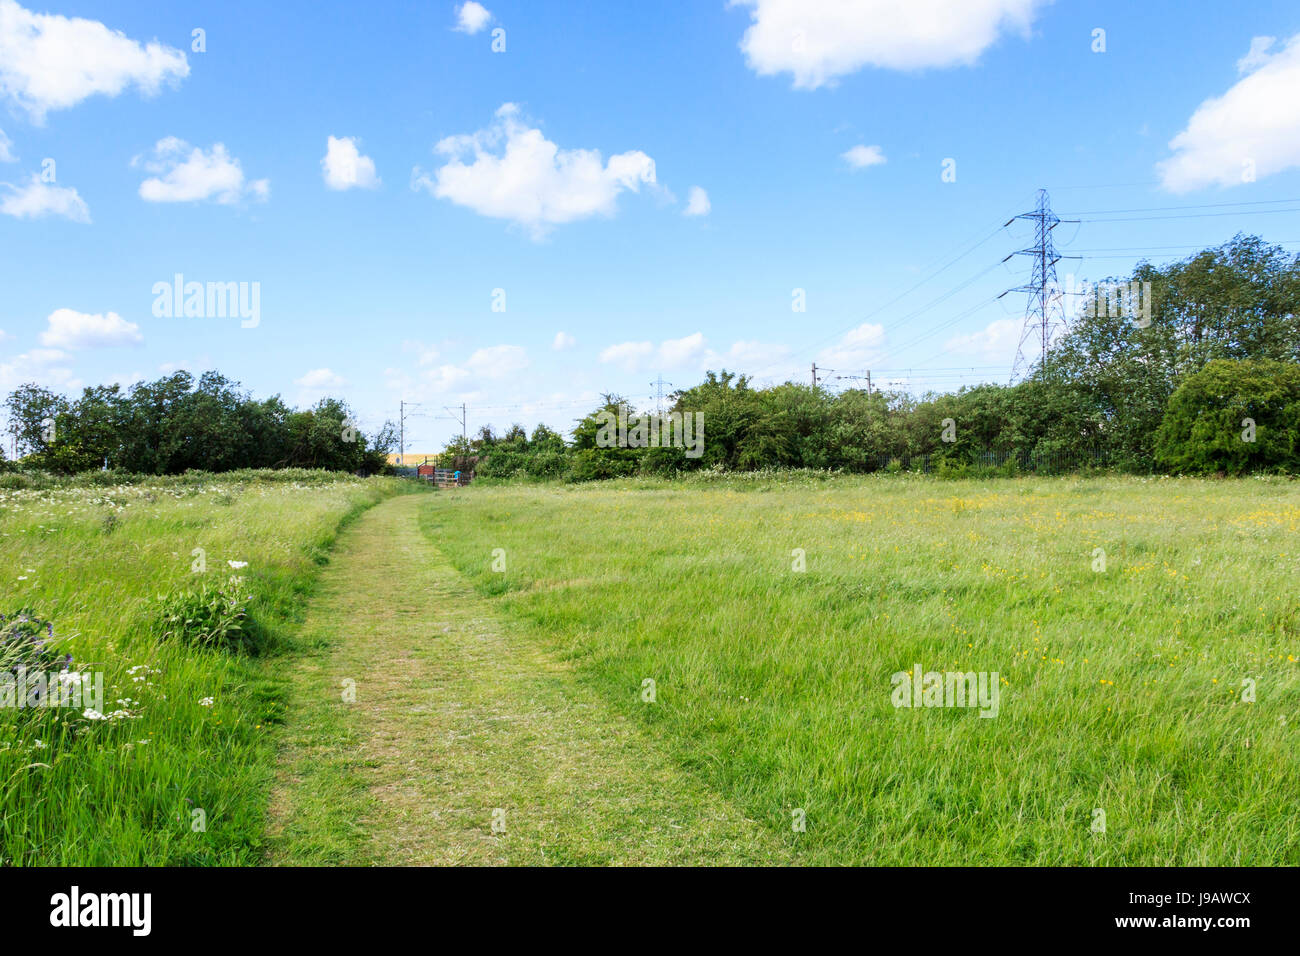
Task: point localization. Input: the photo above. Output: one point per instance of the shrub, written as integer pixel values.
(27, 641)
(1204, 429)
(208, 616)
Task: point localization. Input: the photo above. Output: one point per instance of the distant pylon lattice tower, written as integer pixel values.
(1044, 312)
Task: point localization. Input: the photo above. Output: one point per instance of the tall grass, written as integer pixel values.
(1121, 689)
(180, 775)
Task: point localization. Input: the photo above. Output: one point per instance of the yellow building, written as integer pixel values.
(414, 458)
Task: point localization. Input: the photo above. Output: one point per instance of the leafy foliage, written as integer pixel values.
(28, 641)
(1233, 417)
(174, 424)
(209, 615)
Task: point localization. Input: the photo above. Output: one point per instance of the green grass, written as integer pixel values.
(459, 718)
(1123, 688)
(93, 561)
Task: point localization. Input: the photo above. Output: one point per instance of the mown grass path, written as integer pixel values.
(461, 719)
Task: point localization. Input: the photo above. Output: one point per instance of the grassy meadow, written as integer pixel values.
(184, 728)
(1121, 688)
(645, 671)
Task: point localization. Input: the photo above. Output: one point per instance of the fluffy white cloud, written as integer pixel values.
(50, 62)
(471, 17)
(860, 157)
(859, 348)
(43, 366)
(697, 203)
(677, 352)
(563, 340)
(498, 361)
(185, 173)
(319, 378)
(631, 355)
(820, 40)
(1257, 55)
(531, 181)
(494, 363)
(1253, 130)
(36, 199)
(6, 149)
(996, 342)
(749, 356)
(344, 166)
(69, 329)
(317, 384)
(671, 353)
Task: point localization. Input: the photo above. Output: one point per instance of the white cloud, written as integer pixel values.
(6, 149)
(69, 329)
(1257, 55)
(185, 173)
(46, 367)
(631, 355)
(697, 203)
(345, 168)
(996, 342)
(859, 348)
(1251, 131)
(494, 363)
(688, 351)
(471, 17)
(531, 182)
(317, 384)
(125, 380)
(50, 62)
(321, 378)
(38, 199)
(498, 361)
(749, 356)
(860, 157)
(447, 378)
(425, 354)
(563, 340)
(820, 40)
(677, 352)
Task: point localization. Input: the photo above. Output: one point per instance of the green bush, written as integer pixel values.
(27, 641)
(1233, 417)
(214, 616)
(593, 464)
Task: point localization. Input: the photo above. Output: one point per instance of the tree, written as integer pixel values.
(32, 410)
(1233, 417)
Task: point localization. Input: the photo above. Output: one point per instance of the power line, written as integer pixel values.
(1280, 242)
(902, 295)
(1212, 205)
(1200, 215)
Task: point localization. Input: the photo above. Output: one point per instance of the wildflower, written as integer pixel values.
(91, 714)
(237, 564)
(206, 702)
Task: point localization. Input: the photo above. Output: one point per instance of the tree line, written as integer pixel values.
(1206, 381)
(176, 424)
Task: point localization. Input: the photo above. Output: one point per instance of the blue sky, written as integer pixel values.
(456, 170)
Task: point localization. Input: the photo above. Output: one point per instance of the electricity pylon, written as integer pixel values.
(1044, 313)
